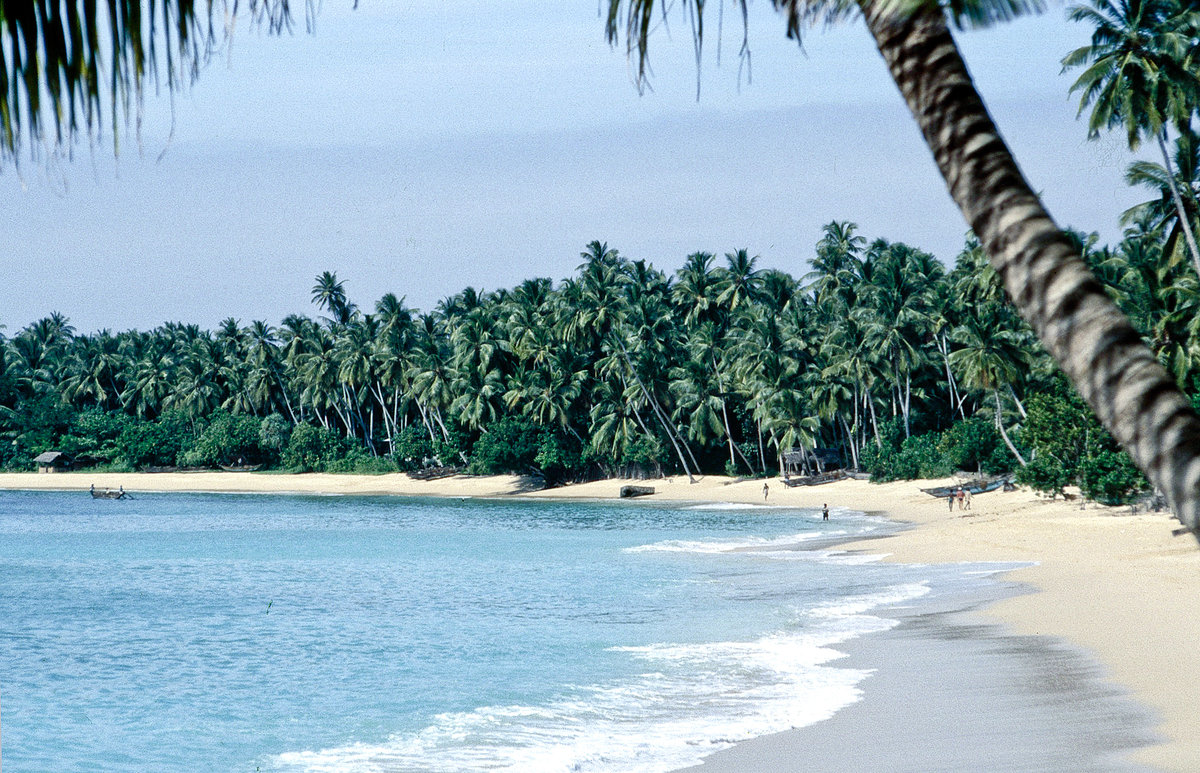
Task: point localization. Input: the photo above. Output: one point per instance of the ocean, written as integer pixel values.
(185, 632)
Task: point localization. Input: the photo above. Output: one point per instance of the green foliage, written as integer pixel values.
(919, 456)
(412, 448)
(1110, 477)
(975, 445)
(518, 445)
(34, 425)
(1070, 447)
(94, 436)
(510, 445)
(317, 449)
(155, 443)
(227, 440)
(274, 431)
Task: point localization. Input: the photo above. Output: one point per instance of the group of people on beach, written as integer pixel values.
(962, 496)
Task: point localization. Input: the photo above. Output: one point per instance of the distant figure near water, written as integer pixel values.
(825, 512)
(766, 491)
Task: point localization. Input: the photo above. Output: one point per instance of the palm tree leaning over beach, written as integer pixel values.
(1043, 273)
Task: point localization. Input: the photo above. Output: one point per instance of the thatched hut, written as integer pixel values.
(52, 461)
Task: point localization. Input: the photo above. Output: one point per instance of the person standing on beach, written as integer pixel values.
(967, 500)
(766, 491)
(961, 496)
(825, 512)
(950, 501)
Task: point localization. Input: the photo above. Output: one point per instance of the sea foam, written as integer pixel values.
(689, 701)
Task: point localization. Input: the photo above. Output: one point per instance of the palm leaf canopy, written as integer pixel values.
(636, 19)
(67, 67)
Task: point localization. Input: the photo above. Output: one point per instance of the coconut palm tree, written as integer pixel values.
(1140, 76)
(1176, 193)
(1081, 327)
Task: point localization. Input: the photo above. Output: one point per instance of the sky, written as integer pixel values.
(419, 148)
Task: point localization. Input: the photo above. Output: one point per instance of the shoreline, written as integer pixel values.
(1118, 587)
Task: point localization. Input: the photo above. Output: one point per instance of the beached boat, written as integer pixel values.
(628, 492)
(240, 467)
(817, 480)
(434, 473)
(980, 486)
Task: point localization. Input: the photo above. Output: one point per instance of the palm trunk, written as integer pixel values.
(874, 420)
(724, 412)
(1092, 341)
(955, 401)
(850, 442)
(1183, 218)
(762, 457)
(1004, 433)
(1020, 406)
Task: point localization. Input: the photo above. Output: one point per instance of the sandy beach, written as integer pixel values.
(1118, 587)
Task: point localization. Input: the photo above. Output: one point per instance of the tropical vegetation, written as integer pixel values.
(903, 367)
(753, 382)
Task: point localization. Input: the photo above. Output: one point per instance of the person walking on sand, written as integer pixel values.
(967, 500)
(766, 491)
(950, 501)
(961, 496)
(825, 512)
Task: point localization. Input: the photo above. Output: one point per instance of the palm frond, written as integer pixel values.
(63, 61)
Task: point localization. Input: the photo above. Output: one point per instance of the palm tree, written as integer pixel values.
(330, 294)
(990, 358)
(1093, 342)
(1138, 76)
(1176, 193)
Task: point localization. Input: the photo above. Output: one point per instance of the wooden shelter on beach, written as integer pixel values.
(52, 461)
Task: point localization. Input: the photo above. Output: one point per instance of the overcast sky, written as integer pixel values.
(419, 147)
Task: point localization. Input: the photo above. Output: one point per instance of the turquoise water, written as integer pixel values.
(296, 633)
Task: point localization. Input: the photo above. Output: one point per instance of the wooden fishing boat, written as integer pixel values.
(107, 493)
(975, 487)
(817, 480)
(240, 467)
(434, 473)
(628, 492)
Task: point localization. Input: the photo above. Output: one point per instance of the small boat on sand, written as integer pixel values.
(980, 486)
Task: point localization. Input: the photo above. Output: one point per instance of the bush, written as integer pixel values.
(412, 448)
(975, 444)
(156, 443)
(315, 449)
(919, 456)
(1070, 446)
(274, 431)
(227, 440)
(510, 445)
(94, 436)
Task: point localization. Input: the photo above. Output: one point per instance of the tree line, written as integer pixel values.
(906, 368)
(772, 380)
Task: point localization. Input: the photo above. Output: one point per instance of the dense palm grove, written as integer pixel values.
(907, 369)
(880, 353)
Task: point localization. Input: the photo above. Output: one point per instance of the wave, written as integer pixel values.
(726, 546)
(689, 701)
(742, 506)
(703, 698)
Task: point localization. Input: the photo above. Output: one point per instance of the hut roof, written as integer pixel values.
(50, 457)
